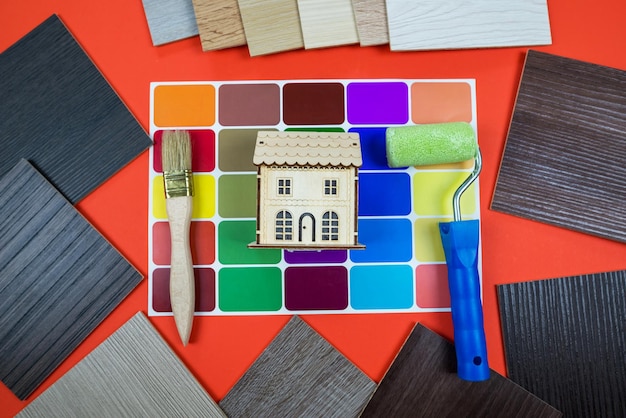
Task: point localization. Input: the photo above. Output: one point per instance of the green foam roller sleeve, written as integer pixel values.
(428, 144)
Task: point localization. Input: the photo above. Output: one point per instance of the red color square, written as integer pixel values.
(205, 290)
(202, 151)
(201, 234)
(431, 286)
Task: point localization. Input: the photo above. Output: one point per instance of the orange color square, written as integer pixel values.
(184, 105)
(441, 102)
(431, 286)
(201, 234)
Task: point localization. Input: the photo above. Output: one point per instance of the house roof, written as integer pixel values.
(301, 148)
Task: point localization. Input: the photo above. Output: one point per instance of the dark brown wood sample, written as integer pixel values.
(59, 278)
(564, 158)
(422, 382)
(58, 112)
(299, 375)
(565, 341)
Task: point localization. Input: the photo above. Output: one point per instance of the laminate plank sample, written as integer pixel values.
(170, 20)
(60, 113)
(327, 23)
(132, 373)
(371, 22)
(422, 382)
(59, 278)
(271, 25)
(299, 374)
(219, 24)
(450, 24)
(565, 339)
(563, 162)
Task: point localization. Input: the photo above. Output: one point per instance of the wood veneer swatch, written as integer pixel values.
(59, 278)
(170, 20)
(327, 23)
(565, 339)
(132, 373)
(371, 22)
(450, 24)
(564, 157)
(219, 24)
(422, 382)
(299, 374)
(60, 113)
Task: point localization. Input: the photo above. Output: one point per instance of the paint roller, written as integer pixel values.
(448, 143)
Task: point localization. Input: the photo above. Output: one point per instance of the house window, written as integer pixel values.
(284, 226)
(330, 226)
(330, 187)
(284, 187)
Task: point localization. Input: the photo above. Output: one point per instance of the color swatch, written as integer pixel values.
(399, 209)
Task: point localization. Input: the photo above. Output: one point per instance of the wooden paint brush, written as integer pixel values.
(178, 181)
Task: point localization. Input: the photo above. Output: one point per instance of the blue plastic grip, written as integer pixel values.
(460, 245)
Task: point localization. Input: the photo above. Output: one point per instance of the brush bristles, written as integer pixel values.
(176, 151)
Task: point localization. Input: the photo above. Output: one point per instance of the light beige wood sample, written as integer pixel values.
(219, 24)
(327, 23)
(271, 26)
(371, 21)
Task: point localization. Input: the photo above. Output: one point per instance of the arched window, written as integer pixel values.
(330, 226)
(284, 226)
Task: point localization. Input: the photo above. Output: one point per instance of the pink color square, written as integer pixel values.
(205, 290)
(431, 286)
(201, 234)
(202, 151)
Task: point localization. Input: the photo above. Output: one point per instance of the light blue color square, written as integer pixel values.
(382, 287)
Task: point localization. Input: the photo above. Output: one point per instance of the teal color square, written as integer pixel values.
(382, 287)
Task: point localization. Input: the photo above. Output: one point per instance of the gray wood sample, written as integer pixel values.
(564, 158)
(58, 112)
(565, 341)
(59, 278)
(299, 374)
(422, 382)
(132, 373)
(170, 20)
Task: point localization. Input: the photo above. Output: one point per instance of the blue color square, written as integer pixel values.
(386, 240)
(384, 194)
(373, 148)
(381, 287)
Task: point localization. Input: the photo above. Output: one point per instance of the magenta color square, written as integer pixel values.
(205, 290)
(202, 151)
(316, 288)
(312, 257)
(249, 104)
(378, 103)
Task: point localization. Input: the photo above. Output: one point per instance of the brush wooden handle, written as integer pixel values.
(182, 286)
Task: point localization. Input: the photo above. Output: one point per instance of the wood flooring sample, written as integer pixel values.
(298, 375)
(451, 24)
(422, 382)
(59, 278)
(219, 24)
(565, 341)
(271, 25)
(170, 20)
(564, 157)
(60, 113)
(327, 23)
(132, 373)
(371, 21)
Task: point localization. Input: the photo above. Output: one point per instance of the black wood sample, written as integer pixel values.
(564, 158)
(59, 278)
(565, 341)
(422, 382)
(299, 375)
(58, 112)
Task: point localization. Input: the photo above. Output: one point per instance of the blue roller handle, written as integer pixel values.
(460, 245)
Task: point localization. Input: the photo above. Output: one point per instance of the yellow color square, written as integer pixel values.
(184, 105)
(428, 247)
(203, 198)
(433, 192)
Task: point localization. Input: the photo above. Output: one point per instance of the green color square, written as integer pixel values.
(233, 240)
(237, 196)
(250, 289)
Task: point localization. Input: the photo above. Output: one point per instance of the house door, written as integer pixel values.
(306, 226)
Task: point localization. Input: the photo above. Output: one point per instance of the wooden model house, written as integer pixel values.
(307, 189)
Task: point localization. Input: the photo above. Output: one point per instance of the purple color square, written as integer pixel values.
(316, 288)
(312, 257)
(378, 103)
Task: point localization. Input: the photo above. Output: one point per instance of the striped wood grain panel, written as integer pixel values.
(299, 374)
(170, 20)
(564, 158)
(565, 341)
(327, 23)
(132, 373)
(59, 278)
(422, 382)
(371, 21)
(59, 112)
(219, 24)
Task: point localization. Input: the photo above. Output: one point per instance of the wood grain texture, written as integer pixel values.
(371, 22)
(132, 373)
(327, 23)
(59, 278)
(299, 374)
(565, 340)
(563, 162)
(170, 20)
(450, 24)
(219, 24)
(60, 113)
(422, 382)
(271, 25)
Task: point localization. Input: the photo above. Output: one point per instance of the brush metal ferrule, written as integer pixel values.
(178, 183)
